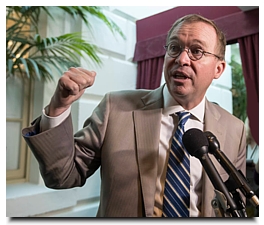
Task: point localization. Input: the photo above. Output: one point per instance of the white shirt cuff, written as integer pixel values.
(48, 122)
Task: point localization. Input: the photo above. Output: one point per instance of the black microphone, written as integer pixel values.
(197, 144)
(237, 175)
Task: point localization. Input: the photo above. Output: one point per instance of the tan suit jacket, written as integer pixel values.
(122, 137)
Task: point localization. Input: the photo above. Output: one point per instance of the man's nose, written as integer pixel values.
(183, 58)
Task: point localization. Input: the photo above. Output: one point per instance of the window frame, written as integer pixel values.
(21, 174)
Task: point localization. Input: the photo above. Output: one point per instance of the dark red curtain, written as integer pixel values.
(149, 73)
(249, 51)
(149, 52)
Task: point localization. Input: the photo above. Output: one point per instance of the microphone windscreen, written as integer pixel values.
(193, 140)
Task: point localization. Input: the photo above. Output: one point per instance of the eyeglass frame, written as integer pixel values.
(188, 51)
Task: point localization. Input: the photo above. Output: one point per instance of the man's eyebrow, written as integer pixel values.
(197, 41)
(174, 39)
(193, 42)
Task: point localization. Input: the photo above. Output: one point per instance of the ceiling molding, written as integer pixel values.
(246, 8)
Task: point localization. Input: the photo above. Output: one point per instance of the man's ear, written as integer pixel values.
(220, 67)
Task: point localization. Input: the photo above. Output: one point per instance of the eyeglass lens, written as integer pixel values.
(194, 53)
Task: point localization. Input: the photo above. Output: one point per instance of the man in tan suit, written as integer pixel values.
(128, 135)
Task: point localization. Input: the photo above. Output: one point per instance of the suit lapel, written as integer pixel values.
(212, 117)
(147, 130)
(212, 124)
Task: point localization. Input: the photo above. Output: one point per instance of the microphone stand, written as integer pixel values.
(236, 180)
(220, 204)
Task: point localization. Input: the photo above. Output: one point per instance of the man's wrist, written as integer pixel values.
(48, 122)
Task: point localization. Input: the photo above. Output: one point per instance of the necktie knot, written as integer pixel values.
(183, 117)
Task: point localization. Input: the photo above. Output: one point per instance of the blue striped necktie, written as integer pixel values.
(176, 200)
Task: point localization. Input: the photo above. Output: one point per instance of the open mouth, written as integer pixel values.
(179, 76)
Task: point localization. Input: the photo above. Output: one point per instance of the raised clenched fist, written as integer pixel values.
(70, 88)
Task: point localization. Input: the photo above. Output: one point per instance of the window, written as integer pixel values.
(18, 115)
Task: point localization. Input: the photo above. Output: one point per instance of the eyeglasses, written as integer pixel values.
(194, 52)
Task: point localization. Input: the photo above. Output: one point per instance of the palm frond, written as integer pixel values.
(59, 52)
(31, 56)
(96, 11)
(27, 14)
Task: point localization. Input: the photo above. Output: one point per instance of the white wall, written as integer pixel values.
(117, 73)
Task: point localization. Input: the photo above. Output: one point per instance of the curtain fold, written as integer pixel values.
(149, 73)
(249, 51)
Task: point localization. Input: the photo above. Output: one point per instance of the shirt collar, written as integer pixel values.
(171, 106)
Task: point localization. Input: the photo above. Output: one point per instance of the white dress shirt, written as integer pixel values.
(253, 153)
(168, 126)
